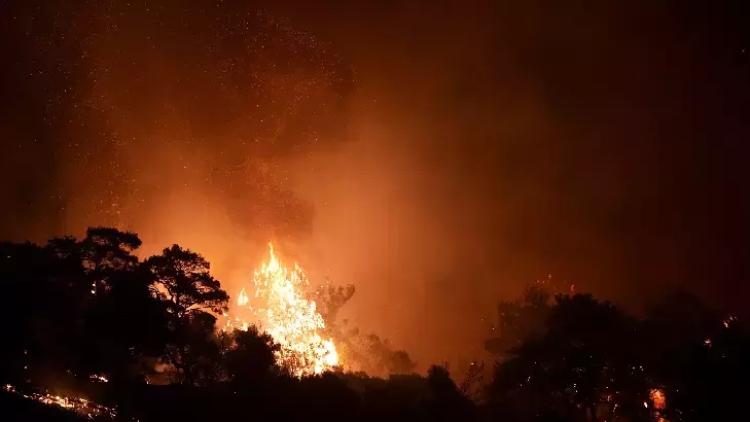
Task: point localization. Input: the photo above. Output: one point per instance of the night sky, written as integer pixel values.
(438, 155)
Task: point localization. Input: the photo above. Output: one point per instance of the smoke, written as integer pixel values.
(496, 143)
(436, 156)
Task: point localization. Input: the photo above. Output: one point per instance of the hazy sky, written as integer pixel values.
(438, 155)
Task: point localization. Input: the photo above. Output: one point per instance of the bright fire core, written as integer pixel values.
(289, 317)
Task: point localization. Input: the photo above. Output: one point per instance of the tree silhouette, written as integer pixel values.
(67, 268)
(440, 398)
(110, 247)
(251, 359)
(103, 312)
(472, 380)
(399, 362)
(699, 356)
(24, 271)
(586, 361)
(189, 291)
(184, 280)
(77, 308)
(124, 326)
(107, 251)
(523, 319)
(377, 356)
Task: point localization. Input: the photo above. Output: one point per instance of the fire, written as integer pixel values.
(658, 398)
(98, 378)
(78, 405)
(289, 317)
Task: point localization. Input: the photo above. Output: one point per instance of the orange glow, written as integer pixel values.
(78, 405)
(292, 320)
(658, 399)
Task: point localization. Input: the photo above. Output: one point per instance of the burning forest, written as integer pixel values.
(106, 335)
(193, 192)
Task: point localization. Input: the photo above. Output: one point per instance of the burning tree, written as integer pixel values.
(292, 320)
(302, 320)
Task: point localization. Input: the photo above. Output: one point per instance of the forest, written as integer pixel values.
(139, 339)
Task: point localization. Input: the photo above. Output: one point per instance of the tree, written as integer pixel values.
(586, 361)
(24, 270)
(330, 299)
(202, 361)
(58, 295)
(105, 310)
(373, 354)
(699, 356)
(524, 319)
(125, 324)
(446, 402)
(82, 306)
(376, 356)
(67, 269)
(472, 380)
(189, 291)
(184, 280)
(106, 251)
(251, 359)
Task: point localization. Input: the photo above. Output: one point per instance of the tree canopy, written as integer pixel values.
(81, 311)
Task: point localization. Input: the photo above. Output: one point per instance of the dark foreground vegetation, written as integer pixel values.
(77, 312)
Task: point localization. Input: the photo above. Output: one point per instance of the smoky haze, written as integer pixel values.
(436, 155)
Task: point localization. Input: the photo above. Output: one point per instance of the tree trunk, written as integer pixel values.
(187, 373)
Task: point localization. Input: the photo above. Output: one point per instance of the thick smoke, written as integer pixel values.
(438, 156)
(167, 118)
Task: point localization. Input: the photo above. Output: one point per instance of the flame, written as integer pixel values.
(659, 403)
(658, 398)
(98, 378)
(78, 405)
(729, 320)
(289, 317)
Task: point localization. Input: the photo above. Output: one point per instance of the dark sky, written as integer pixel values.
(436, 154)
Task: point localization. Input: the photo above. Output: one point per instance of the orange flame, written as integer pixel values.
(289, 317)
(78, 405)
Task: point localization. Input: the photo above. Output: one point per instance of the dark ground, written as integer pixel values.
(15, 408)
